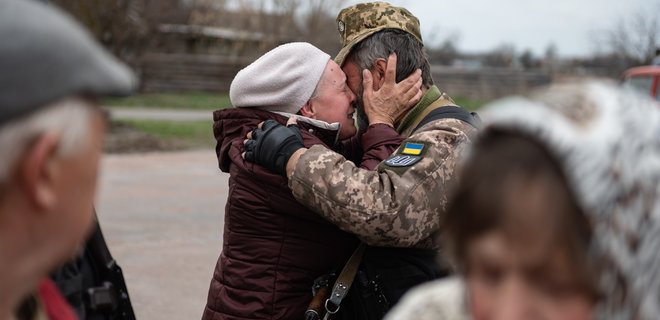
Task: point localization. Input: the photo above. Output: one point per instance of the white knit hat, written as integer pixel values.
(283, 79)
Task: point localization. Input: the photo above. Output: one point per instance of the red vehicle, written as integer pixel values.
(645, 79)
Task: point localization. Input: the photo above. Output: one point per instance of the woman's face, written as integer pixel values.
(334, 102)
(512, 279)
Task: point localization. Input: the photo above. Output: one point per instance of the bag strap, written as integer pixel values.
(451, 112)
(344, 281)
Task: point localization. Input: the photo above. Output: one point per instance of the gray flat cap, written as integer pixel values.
(46, 56)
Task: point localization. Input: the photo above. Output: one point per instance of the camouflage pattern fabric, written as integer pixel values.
(357, 22)
(382, 207)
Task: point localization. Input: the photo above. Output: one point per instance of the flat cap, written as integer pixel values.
(357, 22)
(46, 56)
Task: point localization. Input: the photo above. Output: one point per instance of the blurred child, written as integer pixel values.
(557, 215)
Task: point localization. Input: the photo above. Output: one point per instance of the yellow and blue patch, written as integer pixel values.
(413, 149)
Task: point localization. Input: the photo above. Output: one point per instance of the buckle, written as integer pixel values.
(103, 297)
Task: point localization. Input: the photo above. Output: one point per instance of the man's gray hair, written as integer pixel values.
(70, 117)
(410, 53)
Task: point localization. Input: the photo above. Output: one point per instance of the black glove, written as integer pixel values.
(272, 145)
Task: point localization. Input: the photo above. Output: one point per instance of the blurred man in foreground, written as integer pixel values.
(51, 133)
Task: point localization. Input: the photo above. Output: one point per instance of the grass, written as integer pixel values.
(188, 100)
(146, 135)
(173, 129)
(469, 104)
(184, 134)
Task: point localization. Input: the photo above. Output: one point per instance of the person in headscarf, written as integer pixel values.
(557, 212)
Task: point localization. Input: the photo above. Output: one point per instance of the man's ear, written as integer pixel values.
(38, 171)
(308, 110)
(378, 73)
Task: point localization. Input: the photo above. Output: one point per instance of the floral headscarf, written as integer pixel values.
(607, 141)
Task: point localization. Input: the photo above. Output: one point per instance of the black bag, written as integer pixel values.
(385, 275)
(93, 283)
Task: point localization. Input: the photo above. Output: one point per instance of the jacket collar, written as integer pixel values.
(327, 132)
(433, 98)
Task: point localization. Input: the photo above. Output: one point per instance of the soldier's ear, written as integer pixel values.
(378, 73)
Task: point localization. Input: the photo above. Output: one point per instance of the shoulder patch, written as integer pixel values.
(413, 148)
(402, 160)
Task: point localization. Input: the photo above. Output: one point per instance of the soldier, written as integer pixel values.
(51, 133)
(270, 246)
(401, 204)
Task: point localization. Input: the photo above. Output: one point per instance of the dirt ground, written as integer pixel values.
(162, 216)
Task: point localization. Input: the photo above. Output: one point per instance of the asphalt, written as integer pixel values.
(162, 216)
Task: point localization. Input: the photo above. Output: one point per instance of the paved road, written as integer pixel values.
(162, 215)
(160, 114)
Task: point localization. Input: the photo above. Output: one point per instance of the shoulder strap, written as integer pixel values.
(451, 112)
(344, 281)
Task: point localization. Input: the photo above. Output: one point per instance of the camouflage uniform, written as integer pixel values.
(398, 206)
(401, 203)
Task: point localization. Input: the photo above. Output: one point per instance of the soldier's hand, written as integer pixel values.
(272, 144)
(392, 100)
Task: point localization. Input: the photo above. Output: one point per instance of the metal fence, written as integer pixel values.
(188, 72)
(487, 83)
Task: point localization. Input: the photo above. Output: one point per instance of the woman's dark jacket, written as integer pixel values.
(273, 248)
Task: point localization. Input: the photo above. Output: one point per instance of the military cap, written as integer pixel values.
(357, 22)
(46, 56)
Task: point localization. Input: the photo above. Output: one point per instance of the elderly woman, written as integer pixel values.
(557, 215)
(273, 247)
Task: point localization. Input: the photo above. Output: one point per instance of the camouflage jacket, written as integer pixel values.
(402, 202)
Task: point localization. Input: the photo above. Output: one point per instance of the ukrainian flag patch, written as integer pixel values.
(413, 149)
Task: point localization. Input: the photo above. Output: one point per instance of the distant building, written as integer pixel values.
(192, 39)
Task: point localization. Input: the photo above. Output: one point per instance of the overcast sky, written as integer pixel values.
(482, 25)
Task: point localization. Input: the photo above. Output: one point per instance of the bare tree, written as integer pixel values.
(527, 60)
(633, 39)
(446, 52)
(246, 27)
(123, 26)
(551, 58)
(205, 12)
(277, 21)
(502, 56)
(318, 24)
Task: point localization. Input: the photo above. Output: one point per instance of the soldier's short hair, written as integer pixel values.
(410, 53)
